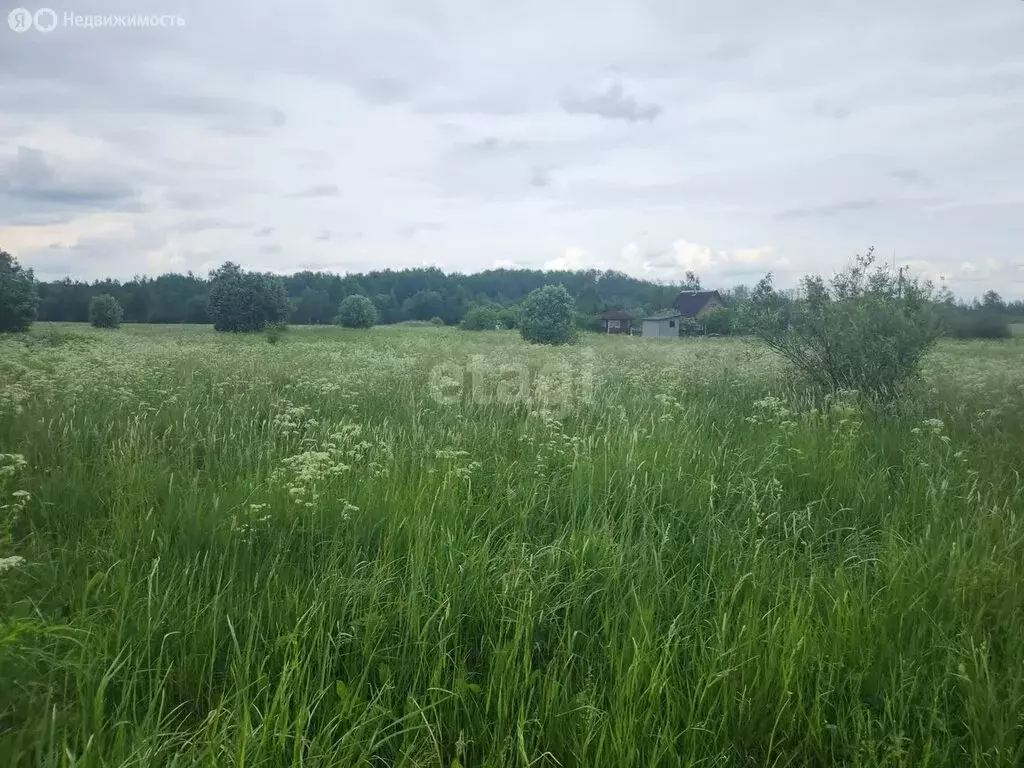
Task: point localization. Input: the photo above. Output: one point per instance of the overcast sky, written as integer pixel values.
(731, 137)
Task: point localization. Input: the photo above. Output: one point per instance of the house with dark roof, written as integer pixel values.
(696, 304)
(685, 316)
(616, 321)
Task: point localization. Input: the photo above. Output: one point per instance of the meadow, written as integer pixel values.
(432, 547)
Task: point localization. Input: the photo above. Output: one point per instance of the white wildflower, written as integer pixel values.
(7, 563)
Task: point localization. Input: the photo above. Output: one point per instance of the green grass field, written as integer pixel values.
(422, 546)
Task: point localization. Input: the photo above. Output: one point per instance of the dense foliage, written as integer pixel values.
(548, 316)
(867, 329)
(243, 301)
(313, 297)
(721, 321)
(509, 318)
(357, 312)
(105, 311)
(482, 318)
(988, 318)
(977, 324)
(19, 298)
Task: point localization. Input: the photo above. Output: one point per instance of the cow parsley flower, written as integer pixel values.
(7, 563)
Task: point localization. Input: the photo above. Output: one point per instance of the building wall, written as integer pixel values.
(623, 326)
(655, 329)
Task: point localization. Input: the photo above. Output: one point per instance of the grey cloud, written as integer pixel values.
(101, 256)
(40, 219)
(540, 178)
(613, 104)
(271, 249)
(320, 190)
(202, 223)
(32, 178)
(385, 90)
(729, 51)
(126, 93)
(325, 235)
(824, 211)
(231, 115)
(264, 232)
(185, 200)
(411, 230)
(910, 176)
(486, 148)
(823, 108)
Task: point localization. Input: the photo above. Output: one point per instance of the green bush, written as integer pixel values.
(356, 312)
(978, 324)
(105, 311)
(585, 321)
(480, 318)
(690, 326)
(719, 321)
(243, 302)
(509, 318)
(19, 298)
(866, 330)
(275, 332)
(547, 316)
(436, 321)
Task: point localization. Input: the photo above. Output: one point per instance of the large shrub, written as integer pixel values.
(866, 329)
(480, 318)
(508, 318)
(19, 298)
(719, 320)
(105, 311)
(547, 316)
(690, 326)
(356, 312)
(243, 301)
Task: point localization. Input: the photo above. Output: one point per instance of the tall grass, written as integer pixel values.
(242, 554)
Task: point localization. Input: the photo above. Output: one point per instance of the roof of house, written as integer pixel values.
(616, 314)
(666, 316)
(689, 303)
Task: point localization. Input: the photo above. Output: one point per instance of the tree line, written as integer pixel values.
(479, 300)
(313, 298)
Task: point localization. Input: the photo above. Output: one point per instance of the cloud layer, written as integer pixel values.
(654, 137)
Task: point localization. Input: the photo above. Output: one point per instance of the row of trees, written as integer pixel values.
(313, 298)
(233, 299)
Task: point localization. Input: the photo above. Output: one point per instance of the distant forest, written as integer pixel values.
(410, 294)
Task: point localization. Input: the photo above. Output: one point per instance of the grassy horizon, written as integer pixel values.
(425, 546)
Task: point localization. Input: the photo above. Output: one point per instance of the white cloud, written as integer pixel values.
(717, 268)
(574, 257)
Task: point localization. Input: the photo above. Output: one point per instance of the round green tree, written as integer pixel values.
(480, 318)
(19, 298)
(356, 312)
(246, 301)
(547, 316)
(105, 311)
